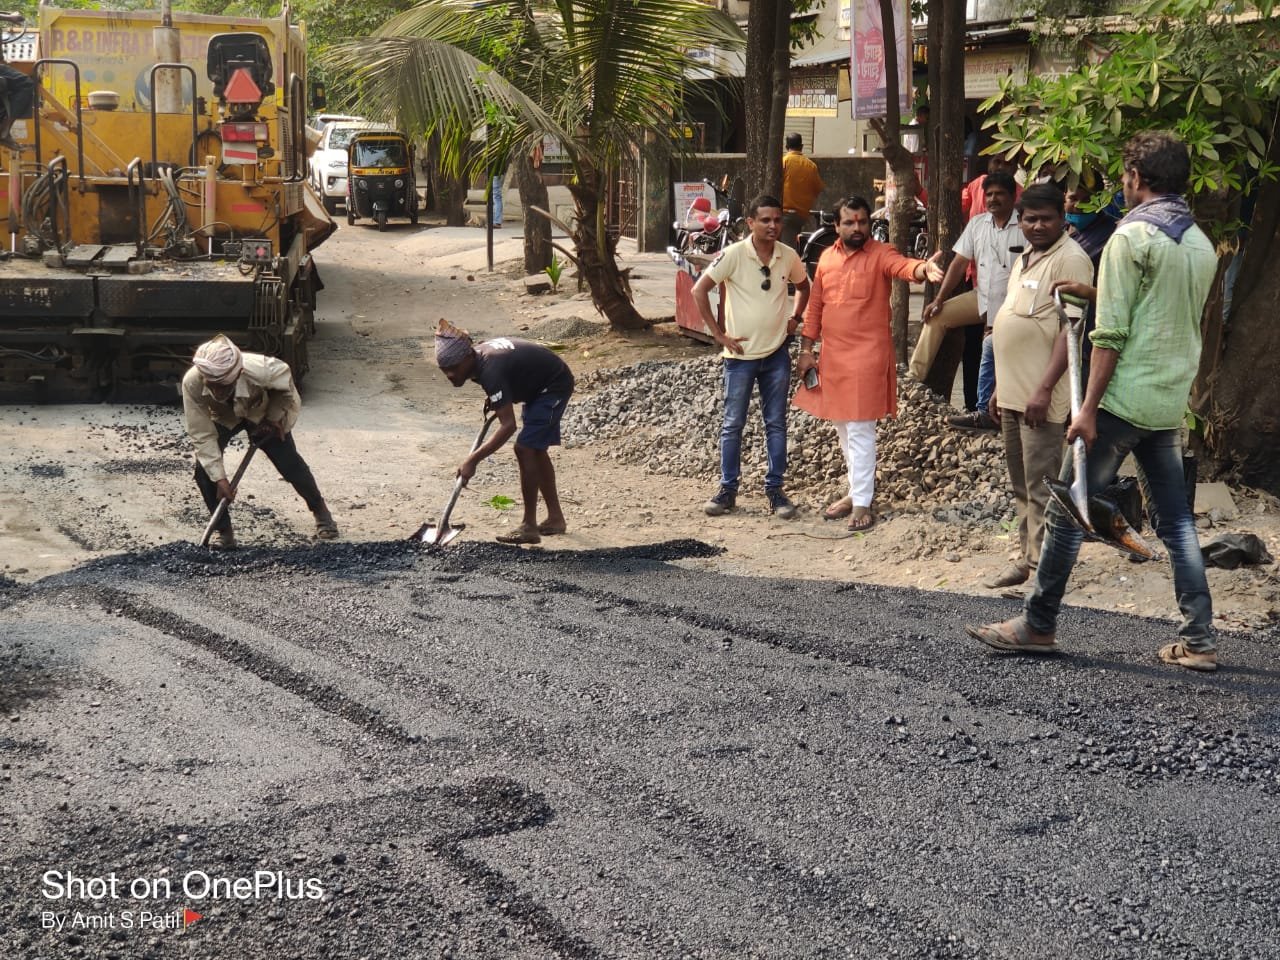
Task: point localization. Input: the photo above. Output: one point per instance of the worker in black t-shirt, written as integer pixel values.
(515, 371)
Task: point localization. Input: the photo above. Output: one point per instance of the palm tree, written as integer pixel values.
(601, 76)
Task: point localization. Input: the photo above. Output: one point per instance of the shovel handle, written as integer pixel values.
(457, 487)
(221, 508)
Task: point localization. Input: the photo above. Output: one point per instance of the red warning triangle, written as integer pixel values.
(241, 88)
(189, 916)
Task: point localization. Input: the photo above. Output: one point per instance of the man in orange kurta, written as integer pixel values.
(857, 375)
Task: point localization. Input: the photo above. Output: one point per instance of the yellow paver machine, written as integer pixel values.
(158, 197)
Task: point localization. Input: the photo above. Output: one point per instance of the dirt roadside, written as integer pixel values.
(383, 432)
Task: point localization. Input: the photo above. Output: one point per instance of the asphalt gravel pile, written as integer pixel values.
(666, 416)
(484, 752)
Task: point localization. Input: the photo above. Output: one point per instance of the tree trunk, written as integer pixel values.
(771, 182)
(946, 131)
(537, 229)
(946, 163)
(1238, 392)
(764, 144)
(902, 167)
(595, 250)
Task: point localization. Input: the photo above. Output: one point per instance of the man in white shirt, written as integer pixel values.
(991, 241)
(756, 332)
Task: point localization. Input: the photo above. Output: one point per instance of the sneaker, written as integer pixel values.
(779, 505)
(224, 540)
(9, 143)
(724, 501)
(326, 529)
(974, 420)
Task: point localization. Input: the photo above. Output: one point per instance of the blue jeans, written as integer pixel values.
(497, 197)
(773, 373)
(987, 374)
(1159, 457)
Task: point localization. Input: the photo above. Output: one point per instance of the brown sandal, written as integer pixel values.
(521, 534)
(863, 523)
(548, 529)
(838, 510)
(1012, 636)
(1180, 655)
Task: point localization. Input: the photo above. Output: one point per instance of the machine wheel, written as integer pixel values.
(351, 218)
(381, 217)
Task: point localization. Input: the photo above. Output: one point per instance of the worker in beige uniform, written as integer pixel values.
(226, 391)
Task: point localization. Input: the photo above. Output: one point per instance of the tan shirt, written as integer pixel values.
(264, 391)
(1027, 325)
(759, 315)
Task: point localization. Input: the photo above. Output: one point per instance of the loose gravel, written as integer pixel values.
(666, 417)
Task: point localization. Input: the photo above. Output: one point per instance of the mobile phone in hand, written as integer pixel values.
(811, 378)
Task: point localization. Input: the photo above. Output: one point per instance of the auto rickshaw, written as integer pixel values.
(380, 180)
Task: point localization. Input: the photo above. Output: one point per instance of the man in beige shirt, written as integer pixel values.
(759, 320)
(227, 391)
(1032, 401)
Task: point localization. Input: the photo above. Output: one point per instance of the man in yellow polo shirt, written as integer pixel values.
(758, 324)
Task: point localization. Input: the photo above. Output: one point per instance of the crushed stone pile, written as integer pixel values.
(666, 417)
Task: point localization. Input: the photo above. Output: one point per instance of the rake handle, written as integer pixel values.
(221, 508)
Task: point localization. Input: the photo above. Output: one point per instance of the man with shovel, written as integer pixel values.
(1154, 279)
(227, 391)
(512, 371)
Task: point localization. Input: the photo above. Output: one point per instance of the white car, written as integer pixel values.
(329, 162)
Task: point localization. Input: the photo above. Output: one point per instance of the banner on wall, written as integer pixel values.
(867, 58)
(814, 93)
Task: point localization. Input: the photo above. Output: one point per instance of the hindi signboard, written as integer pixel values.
(867, 59)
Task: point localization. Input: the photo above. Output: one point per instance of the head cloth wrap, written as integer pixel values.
(218, 360)
(453, 344)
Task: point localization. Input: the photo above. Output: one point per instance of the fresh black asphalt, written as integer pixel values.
(484, 752)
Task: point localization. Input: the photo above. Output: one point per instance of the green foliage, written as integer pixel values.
(499, 502)
(554, 271)
(1185, 68)
(598, 75)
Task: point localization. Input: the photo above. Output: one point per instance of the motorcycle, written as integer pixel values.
(706, 230)
(918, 233)
(812, 243)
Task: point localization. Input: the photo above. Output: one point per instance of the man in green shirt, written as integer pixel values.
(1154, 278)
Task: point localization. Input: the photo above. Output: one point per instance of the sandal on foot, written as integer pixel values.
(521, 534)
(838, 510)
(863, 523)
(549, 529)
(1012, 636)
(1179, 654)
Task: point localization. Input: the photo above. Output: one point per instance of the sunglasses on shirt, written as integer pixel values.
(768, 279)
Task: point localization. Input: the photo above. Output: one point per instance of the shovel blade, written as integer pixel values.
(1105, 523)
(1061, 492)
(1110, 526)
(434, 536)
